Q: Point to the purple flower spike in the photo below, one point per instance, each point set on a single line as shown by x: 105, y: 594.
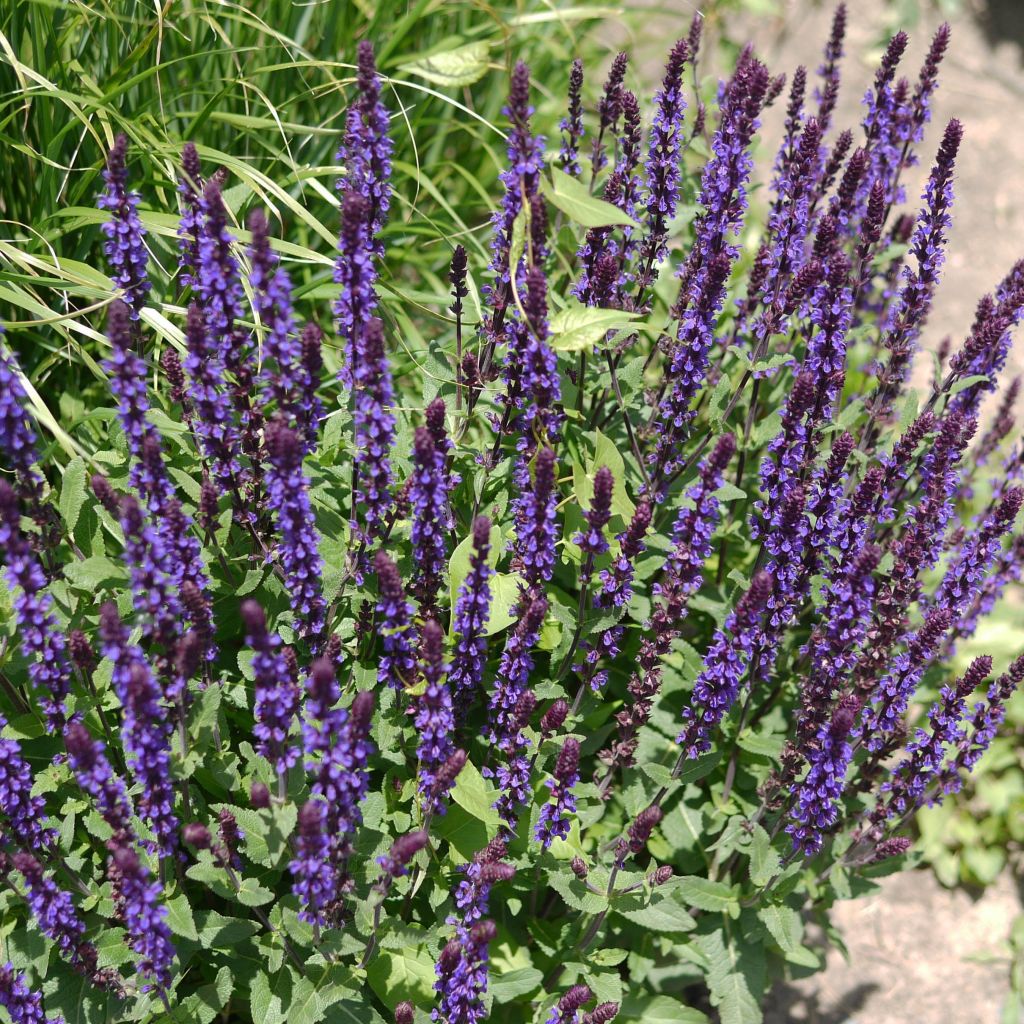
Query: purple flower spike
x: 365, y: 153
x: 214, y: 422
x: 23, y: 812
x: 374, y: 428
x: 912, y: 777
x: 395, y: 862
x: 218, y: 285
x: 617, y: 581
x: 92, y: 770
x: 145, y: 918
x: 592, y: 542
x: 277, y: 695
x: 915, y: 298
x: 522, y: 182
x: 313, y: 874
x: 572, y: 124
x: 472, y: 610
x: 190, y: 226
x: 17, y: 435
x: 56, y: 915
x: 554, y: 815
x: 663, y: 167
x: 282, y: 370
x: 817, y: 804
x: 567, y: 1009
x: 462, y: 976
x: 535, y: 513
x: 434, y: 720
x: 985, y: 719
x: 146, y: 730
x: 398, y: 667
x: 431, y: 523
x: 41, y: 640
x: 828, y: 92
x: 288, y: 497
x: 24, y: 1005
x: 718, y: 685
x: 125, y: 246
x: 609, y: 110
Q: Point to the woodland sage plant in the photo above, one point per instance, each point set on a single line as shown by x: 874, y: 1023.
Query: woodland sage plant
x: 566, y: 680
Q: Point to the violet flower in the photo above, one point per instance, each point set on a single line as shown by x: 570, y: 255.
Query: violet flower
x: 571, y: 125
x: 828, y: 91
x: 145, y: 918
x: 397, y: 667
x: 462, y: 976
x: 146, y: 729
x: 609, y: 109
x: 365, y: 152
x: 472, y: 610
x: 17, y: 435
x: 662, y: 169
x: 915, y: 297
x: 24, y: 1005
x: 433, y: 719
x: 374, y: 425
x: 214, y: 423
x: 88, y: 761
x: 817, y: 803
x: 276, y: 694
x: 554, y: 815
x: 312, y: 872
x: 591, y: 541
x: 24, y: 813
x: 297, y: 548
x: 190, y: 224
x: 910, y: 780
x: 218, y: 285
x: 56, y: 915
x: 535, y: 513
x: 566, y: 1010
x: 718, y: 684
x: 125, y: 247
x: 41, y: 639
x: 521, y: 181
x: 282, y: 371
x: 514, y: 672
x: 984, y: 721
x: 431, y: 522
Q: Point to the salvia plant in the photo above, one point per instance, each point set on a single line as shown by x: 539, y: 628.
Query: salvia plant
x: 566, y: 678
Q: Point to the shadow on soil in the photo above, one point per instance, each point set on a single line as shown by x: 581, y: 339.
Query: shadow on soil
x: 787, y: 1005
x: 1002, y: 20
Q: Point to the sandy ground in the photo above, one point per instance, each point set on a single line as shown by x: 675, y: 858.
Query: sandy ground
x: 919, y: 954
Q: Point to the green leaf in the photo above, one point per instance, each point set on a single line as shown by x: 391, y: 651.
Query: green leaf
x: 474, y: 794
x: 761, y: 744
x: 967, y: 382
x: 578, y: 328
x: 406, y: 974
x: 510, y: 986
x: 786, y: 928
x: 505, y: 589
x: 72, y: 493
x: 729, y: 492
x: 575, y: 201
x: 662, y: 1010
x: 452, y: 68
x: 764, y: 861
x: 459, y: 563
x: 662, y: 914
x: 605, y: 454
x: 94, y: 573
x: 179, y: 918
x: 707, y: 895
